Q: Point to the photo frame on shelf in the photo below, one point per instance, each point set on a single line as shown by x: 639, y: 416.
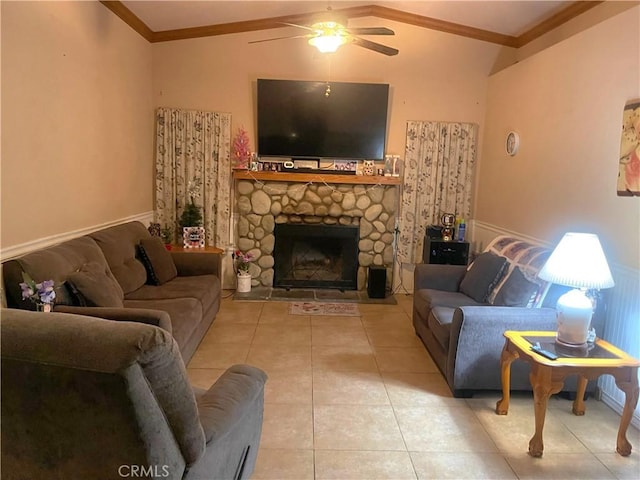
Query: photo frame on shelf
x: 345, y: 165
x: 193, y: 237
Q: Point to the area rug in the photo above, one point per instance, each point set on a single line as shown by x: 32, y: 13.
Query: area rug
x: 322, y: 308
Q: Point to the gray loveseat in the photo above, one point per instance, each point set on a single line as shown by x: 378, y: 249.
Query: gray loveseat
x: 122, y: 273
x: 84, y: 398
x: 461, y: 314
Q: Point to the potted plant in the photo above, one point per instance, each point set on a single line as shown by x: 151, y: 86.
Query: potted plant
x: 243, y: 264
x: 167, y: 236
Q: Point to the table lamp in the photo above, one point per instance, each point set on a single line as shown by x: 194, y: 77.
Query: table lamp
x: 577, y: 261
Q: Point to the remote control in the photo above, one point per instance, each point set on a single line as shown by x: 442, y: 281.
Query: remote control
x: 545, y: 353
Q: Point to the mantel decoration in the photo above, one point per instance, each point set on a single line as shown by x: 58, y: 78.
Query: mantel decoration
x: 191, y: 219
x: 629, y: 166
x: 241, y: 150
x: 41, y: 294
x: 243, y: 264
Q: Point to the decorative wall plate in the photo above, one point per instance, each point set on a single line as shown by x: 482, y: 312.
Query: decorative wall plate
x: 512, y: 143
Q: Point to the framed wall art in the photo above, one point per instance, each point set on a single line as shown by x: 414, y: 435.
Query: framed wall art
x: 629, y: 161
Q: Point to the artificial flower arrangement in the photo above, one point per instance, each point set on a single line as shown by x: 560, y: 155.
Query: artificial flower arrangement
x: 242, y: 261
x: 42, y: 294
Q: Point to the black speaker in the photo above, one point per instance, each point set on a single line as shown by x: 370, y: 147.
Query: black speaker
x: 377, y: 285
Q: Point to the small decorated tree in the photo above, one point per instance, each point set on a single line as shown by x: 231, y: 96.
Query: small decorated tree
x: 191, y: 215
x: 241, y: 150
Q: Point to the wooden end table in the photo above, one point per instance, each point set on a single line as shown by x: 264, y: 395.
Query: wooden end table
x: 547, y: 377
x: 205, y: 249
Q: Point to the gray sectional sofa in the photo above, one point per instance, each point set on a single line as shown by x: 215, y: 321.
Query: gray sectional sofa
x: 123, y: 273
x: 461, y: 313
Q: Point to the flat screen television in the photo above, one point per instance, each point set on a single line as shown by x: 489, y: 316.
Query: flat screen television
x: 334, y: 120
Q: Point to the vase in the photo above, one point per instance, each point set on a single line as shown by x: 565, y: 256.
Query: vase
x: 244, y: 282
x: 43, y: 307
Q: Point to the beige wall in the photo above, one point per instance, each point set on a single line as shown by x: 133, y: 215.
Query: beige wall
x: 566, y: 103
x: 436, y: 76
x: 77, y: 119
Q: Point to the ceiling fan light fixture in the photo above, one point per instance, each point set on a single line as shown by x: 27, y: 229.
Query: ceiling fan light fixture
x: 329, y: 36
x: 328, y: 43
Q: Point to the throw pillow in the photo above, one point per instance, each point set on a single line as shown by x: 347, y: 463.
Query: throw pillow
x: 157, y: 260
x: 483, y: 274
x: 516, y: 291
x: 94, y: 287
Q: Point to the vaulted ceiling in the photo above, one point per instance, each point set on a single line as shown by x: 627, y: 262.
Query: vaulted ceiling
x: 510, y: 23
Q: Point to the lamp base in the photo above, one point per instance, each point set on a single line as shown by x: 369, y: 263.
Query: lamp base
x: 573, y: 312
x: 577, y: 346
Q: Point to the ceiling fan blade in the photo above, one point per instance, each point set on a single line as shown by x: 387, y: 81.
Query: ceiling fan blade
x: 376, y: 47
x: 371, y: 31
x: 298, y: 26
x: 278, y: 38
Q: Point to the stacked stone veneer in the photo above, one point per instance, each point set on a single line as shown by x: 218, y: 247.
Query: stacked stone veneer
x: 261, y: 205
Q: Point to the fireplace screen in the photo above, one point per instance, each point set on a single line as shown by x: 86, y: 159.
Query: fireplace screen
x: 323, y: 256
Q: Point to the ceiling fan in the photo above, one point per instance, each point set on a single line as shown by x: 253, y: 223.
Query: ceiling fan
x: 329, y: 31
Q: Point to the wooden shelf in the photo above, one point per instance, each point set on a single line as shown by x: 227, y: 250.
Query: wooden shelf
x: 316, y: 177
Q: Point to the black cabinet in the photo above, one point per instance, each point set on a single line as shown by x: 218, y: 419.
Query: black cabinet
x: 441, y: 252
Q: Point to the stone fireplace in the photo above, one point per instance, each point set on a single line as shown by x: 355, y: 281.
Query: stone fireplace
x: 366, y: 205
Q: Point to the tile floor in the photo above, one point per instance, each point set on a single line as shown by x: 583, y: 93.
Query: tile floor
x: 359, y: 398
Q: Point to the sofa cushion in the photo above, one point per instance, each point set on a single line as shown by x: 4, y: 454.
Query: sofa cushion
x: 439, y: 322
x: 204, y: 288
x: 157, y: 261
x: 94, y: 287
x: 429, y: 298
x: 51, y: 263
x: 516, y: 291
x: 482, y: 276
x: 120, y: 247
x: 185, y: 313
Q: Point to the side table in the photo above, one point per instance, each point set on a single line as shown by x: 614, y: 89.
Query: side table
x: 205, y: 249
x: 547, y: 377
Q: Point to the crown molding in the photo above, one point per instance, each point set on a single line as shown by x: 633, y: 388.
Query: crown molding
x: 128, y: 17
x: 563, y: 16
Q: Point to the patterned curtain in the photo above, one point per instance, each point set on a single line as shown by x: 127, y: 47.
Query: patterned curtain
x: 194, y: 147
x: 438, y: 175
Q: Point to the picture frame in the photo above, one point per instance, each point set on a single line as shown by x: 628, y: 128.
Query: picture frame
x: 628, y: 184
x: 345, y: 165
x: 193, y: 237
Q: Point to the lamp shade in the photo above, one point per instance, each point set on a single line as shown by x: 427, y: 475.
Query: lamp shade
x: 578, y: 261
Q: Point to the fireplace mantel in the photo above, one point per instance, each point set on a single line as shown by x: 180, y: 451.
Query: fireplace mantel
x: 316, y: 177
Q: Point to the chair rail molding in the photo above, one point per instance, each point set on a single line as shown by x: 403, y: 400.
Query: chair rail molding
x: 17, y: 250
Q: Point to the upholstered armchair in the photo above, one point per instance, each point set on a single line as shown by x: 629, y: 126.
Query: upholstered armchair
x: 92, y: 398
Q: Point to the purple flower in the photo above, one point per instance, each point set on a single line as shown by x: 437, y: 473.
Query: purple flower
x: 37, y: 292
x: 27, y: 291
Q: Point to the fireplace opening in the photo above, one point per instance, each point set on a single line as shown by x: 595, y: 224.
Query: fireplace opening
x: 321, y: 256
